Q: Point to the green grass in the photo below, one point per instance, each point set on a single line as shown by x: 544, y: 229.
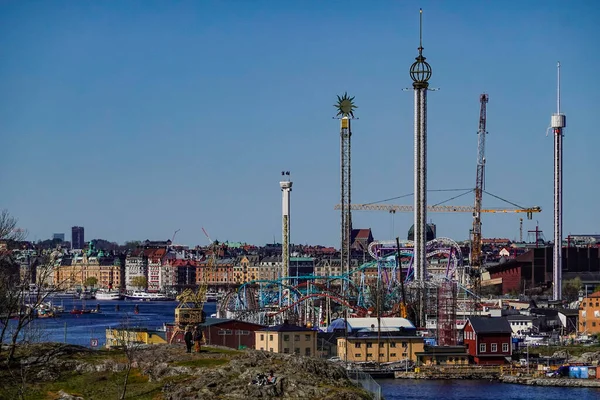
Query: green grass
x: 217, y: 350
x: 202, y: 362
x: 104, y: 385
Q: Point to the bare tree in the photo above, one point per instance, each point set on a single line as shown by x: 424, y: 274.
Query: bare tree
x: 9, y: 229
x: 130, y: 340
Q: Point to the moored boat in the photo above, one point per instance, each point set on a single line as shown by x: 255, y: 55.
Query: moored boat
x: 145, y: 296
x: 108, y: 295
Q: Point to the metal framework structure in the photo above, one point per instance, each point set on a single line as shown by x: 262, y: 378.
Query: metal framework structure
x: 479, y: 185
x: 346, y: 190
x: 392, y: 208
x: 446, y: 315
x: 558, y: 122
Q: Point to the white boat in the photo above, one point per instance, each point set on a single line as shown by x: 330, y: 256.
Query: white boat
x: 108, y: 295
x: 145, y: 296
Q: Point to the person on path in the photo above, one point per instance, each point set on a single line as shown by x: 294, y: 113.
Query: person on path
x: 189, y: 338
x: 197, y: 338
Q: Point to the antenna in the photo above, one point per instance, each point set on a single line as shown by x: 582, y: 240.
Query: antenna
x: 420, y: 28
x: 558, y: 90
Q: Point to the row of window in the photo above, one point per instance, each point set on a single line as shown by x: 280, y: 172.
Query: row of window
x: 358, y: 345
x: 370, y: 355
x: 493, y: 347
x: 286, y: 350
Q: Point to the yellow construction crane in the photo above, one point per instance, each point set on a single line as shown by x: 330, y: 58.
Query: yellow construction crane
x: 466, y: 209
x: 190, y: 310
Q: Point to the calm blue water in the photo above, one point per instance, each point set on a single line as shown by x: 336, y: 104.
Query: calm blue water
x: 80, y: 329
x: 396, y: 389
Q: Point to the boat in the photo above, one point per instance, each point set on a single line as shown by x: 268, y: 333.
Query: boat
x: 78, y: 311
x: 212, y: 296
x: 108, y: 295
x: 145, y: 296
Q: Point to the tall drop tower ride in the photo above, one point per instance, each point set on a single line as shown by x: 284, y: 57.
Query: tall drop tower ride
x: 345, y: 109
x: 420, y: 73
x: 557, y: 123
x: 286, y: 188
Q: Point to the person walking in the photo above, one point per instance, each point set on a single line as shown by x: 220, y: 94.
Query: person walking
x: 189, y: 338
x: 197, y: 338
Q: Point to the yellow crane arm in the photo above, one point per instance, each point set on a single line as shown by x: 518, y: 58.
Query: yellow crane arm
x: 467, y: 209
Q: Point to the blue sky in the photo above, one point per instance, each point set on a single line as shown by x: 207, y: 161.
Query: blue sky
x: 137, y: 118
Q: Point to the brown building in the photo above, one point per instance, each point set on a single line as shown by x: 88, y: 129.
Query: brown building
x: 287, y: 339
x: 388, y: 348
x: 443, y: 355
x: 589, y: 315
x: 222, y: 332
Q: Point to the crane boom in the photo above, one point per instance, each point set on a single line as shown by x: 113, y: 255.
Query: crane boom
x: 479, y: 184
x: 467, y: 209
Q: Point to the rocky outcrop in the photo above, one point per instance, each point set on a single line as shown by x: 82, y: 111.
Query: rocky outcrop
x: 216, y: 373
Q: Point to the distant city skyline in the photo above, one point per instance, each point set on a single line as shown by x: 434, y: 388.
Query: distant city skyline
x: 135, y: 120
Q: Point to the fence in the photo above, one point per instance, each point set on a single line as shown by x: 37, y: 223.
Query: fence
x: 366, y: 381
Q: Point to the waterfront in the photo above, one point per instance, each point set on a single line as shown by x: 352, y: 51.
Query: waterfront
x: 81, y: 329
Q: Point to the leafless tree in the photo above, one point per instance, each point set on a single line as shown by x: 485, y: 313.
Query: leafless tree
x: 9, y: 229
x: 130, y: 340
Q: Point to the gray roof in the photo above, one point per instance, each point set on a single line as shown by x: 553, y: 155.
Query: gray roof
x: 490, y: 325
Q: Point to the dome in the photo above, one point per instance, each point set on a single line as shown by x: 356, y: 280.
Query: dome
x: 430, y: 234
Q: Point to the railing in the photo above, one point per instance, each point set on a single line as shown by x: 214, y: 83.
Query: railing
x: 366, y: 381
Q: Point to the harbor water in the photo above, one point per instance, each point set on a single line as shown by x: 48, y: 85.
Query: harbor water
x: 89, y: 330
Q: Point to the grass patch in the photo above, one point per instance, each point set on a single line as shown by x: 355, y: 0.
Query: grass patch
x: 105, y: 385
x: 202, y: 362
x: 217, y: 350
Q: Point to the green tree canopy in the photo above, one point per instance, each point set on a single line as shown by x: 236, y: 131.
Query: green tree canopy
x: 139, y: 282
x: 91, y: 281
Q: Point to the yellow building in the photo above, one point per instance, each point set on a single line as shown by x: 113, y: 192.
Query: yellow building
x: 72, y: 273
x: 287, y: 339
x: 116, y: 337
x: 391, y: 348
x: 589, y: 314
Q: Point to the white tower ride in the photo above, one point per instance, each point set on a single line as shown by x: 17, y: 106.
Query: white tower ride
x: 286, y: 188
x: 557, y: 123
x: 420, y: 73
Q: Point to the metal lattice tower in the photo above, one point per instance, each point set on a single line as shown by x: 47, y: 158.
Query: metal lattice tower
x: 558, y: 122
x: 476, y: 260
x: 346, y: 192
x: 420, y: 73
x: 286, y: 188
x: 446, y: 313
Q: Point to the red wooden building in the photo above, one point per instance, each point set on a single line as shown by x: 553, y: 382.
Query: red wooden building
x: 488, y: 340
x: 223, y: 332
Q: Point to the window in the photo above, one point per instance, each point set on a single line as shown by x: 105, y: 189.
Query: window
x: 297, y: 338
x: 296, y: 350
x: 393, y: 344
x: 286, y: 350
x: 307, y: 351
x: 307, y: 338
x: 482, y: 348
x: 404, y: 344
x: 381, y: 355
x: 380, y: 345
x: 392, y: 354
x: 357, y: 355
x: 357, y: 345
x: 270, y: 337
x: 286, y: 338
x: 505, y: 347
x: 369, y: 355
x: 494, y: 347
x: 271, y: 349
x: 369, y: 345
x: 262, y: 337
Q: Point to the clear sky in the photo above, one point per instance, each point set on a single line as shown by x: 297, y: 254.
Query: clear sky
x: 138, y: 118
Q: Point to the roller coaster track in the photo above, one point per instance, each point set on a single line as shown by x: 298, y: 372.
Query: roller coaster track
x: 337, y: 299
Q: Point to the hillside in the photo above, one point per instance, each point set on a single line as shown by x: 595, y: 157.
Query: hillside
x: 56, y: 371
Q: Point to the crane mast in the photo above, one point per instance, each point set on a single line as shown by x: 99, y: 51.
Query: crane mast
x: 479, y: 185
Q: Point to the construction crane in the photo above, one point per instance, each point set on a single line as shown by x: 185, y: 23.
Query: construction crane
x: 392, y: 208
x: 476, y: 244
x: 190, y: 310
